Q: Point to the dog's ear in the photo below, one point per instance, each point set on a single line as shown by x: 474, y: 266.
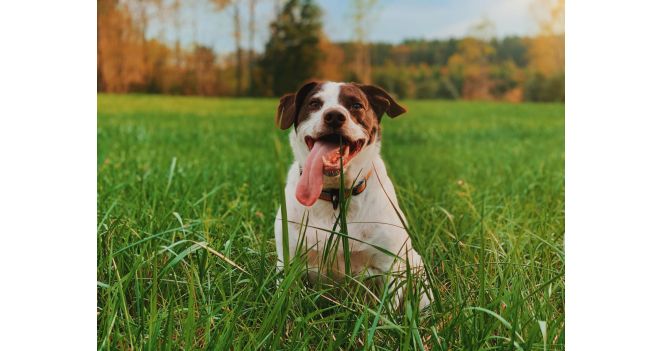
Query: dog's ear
x: 290, y: 105
x: 284, y: 118
x: 381, y: 101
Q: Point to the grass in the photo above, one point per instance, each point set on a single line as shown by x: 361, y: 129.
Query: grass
x: 187, y: 194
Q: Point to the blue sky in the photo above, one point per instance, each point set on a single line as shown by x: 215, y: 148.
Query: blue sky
x: 392, y: 21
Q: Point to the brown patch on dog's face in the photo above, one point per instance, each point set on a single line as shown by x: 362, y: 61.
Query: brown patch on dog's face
x: 360, y: 110
x: 381, y: 102
x: 366, y: 105
x: 295, y: 107
x: 309, y: 105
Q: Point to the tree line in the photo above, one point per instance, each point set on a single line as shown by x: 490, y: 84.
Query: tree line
x: 476, y: 67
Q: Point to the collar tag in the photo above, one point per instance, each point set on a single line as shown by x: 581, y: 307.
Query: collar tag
x: 335, y: 200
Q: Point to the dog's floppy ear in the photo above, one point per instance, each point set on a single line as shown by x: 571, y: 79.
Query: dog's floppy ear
x: 284, y: 118
x: 381, y: 101
x: 290, y: 105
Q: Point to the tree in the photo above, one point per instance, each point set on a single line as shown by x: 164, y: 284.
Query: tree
x: 546, y: 53
x: 469, y: 69
x: 120, y: 63
x: 547, y: 49
x: 361, y: 10
x: 251, y: 51
x: 220, y: 5
x: 330, y: 67
x: 292, y: 54
x: 239, y: 53
x: 201, y: 75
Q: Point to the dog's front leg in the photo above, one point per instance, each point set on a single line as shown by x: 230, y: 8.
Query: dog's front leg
x: 292, y: 229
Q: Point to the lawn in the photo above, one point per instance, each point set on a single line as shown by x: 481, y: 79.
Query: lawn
x: 187, y: 193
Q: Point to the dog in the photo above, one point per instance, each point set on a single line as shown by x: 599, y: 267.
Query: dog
x: 322, y: 115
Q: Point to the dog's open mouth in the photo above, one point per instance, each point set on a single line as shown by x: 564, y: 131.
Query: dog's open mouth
x: 326, y: 153
x: 335, y: 146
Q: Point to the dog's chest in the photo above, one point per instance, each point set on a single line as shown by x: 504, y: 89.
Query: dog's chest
x: 325, y: 252
x: 325, y: 219
x: 369, y: 219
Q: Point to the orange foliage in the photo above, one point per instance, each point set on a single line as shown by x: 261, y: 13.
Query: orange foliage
x: 331, y: 64
x: 513, y: 95
x: 547, y: 54
x: 471, y: 63
x: 120, y: 55
x: 546, y: 51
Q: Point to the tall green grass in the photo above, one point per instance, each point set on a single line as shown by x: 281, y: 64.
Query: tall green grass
x: 187, y: 194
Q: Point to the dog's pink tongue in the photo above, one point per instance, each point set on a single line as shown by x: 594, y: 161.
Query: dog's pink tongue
x: 309, y: 186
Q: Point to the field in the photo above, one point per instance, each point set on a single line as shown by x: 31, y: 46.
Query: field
x: 187, y: 193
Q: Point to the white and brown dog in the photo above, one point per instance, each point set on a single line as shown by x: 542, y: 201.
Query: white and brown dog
x: 322, y: 114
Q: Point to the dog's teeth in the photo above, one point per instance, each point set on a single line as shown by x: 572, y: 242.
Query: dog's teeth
x: 332, y: 173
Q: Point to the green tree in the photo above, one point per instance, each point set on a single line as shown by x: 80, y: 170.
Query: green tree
x: 292, y: 54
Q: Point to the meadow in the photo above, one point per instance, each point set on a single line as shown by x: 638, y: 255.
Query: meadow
x: 187, y: 193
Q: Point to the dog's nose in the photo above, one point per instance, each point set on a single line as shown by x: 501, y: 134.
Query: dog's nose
x: 334, y: 118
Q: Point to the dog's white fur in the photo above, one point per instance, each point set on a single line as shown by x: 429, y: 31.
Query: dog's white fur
x: 371, y: 216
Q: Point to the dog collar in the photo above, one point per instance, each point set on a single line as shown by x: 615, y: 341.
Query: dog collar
x: 333, y: 195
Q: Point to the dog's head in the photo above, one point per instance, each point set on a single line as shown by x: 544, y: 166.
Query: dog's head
x: 331, y: 120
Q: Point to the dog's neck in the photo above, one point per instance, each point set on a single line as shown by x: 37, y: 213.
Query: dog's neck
x: 354, y: 172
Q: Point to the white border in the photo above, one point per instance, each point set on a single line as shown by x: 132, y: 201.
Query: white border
x: 48, y: 182
x: 613, y: 175
x: 48, y: 175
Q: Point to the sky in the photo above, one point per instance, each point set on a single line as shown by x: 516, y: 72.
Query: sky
x: 391, y: 21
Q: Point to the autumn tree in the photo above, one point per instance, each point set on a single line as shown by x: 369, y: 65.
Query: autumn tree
x: 238, y: 51
x: 469, y: 69
x: 331, y: 65
x: 202, y: 73
x: 251, y: 50
x: 292, y: 54
x: 120, y: 61
x: 546, y: 53
x: 547, y: 49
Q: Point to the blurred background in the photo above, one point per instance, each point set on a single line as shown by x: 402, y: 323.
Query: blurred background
x: 506, y: 50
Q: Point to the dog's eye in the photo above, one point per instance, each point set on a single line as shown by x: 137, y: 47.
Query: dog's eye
x: 314, y: 104
x: 356, y: 106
